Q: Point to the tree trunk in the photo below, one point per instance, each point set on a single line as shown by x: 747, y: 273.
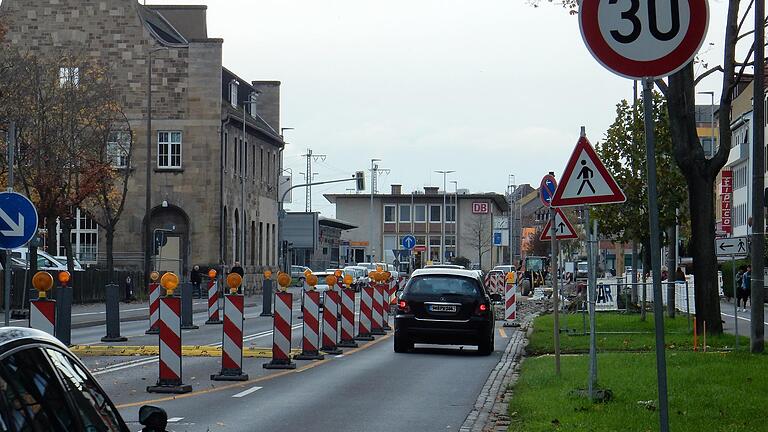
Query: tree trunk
x: 66, y: 233
x: 703, y: 250
x: 671, y: 268
x: 52, y: 243
x: 633, y: 276
x: 110, y: 234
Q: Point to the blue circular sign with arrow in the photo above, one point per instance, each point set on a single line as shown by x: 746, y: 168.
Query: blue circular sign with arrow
x: 547, y: 189
x: 409, y: 242
x: 18, y: 220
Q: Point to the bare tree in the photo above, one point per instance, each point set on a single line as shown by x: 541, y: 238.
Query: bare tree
x: 479, y: 235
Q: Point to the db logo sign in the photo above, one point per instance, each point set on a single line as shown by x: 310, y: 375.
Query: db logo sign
x: 480, y: 208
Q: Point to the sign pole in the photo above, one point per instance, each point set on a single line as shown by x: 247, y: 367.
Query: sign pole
x: 591, y: 297
x: 7, y: 264
x: 735, y: 301
x: 555, y: 294
x: 653, y: 210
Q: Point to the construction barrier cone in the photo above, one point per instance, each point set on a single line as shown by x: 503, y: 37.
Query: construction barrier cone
x: 366, y: 314
x: 42, y: 312
x: 510, y: 301
x: 213, y: 299
x: 232, y: 334
x: 385, y: 287
x: 310, y: 341
x: 377, y: 323
x: 281, y: 335
x: 154, y: 304
x: 347, y: 315
x: 169, y: 380
x: 330, y: 318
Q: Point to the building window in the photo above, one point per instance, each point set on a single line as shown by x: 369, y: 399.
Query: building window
x: 261, y: 161
x: 253, y: 163
x: 118, y: 146
x: 420, y: 213
x: 434, y: 213
x: 450, y: 213
x: 389, y: 213
x: 252, y: 105
x: 69, y: 76
x: 405, y: 213
x: 84, y: 237
x: 169, y: 149
x: 233, y: 93
x: 234, y: 163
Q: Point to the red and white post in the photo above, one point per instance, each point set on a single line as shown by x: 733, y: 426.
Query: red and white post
x: 510, y: 303
x: 331, y: 322
x: 170, y: 348
x: 365, y: 322
x: 281, y: 336
x: 386, y: 288
x: 42, y: 315
x: 232, y: 340
x: 310, y: 341
x: 154, y: 308
x: 347, y: 339
x: 213, y: 302
x: 377, y: 323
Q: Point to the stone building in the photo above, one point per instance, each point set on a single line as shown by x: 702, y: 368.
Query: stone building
x: 465, y: 227
x: 213, y: 180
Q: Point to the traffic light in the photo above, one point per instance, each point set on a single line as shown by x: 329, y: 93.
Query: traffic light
x: 360, y: 181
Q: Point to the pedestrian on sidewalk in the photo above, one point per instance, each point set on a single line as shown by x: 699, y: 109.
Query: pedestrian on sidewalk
x: 129, y: 297
x: 745, y: 289
x: 196, y: 279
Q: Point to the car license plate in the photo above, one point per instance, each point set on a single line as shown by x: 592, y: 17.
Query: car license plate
x: 442, y: 308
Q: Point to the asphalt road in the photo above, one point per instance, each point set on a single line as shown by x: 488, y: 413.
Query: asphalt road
x: 370, y: 388
x: 726, y: 311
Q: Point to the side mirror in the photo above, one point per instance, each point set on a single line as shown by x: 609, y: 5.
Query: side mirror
x: 154, y: 419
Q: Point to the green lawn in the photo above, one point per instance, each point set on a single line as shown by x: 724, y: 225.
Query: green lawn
x: 707, y: 392
x: 619, y: 332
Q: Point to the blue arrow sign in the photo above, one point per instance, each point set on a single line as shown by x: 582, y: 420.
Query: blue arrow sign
x: 547, y: 189
x: 409, y: 242
x: 18, y: 220
x: 497, y: 239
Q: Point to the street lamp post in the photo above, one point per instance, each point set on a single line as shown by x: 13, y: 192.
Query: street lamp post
x: 148, y: 193
x: 442, y: 219
x: 373, y: 187
x: 454, y: 231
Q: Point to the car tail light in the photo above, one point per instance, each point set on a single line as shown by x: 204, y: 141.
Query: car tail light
x: 402, y: 306
x: 482, y: 309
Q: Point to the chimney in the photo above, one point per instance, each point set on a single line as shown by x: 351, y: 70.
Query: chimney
x: 268, y: 106
x: 431, y: 190
x: 397, y: 189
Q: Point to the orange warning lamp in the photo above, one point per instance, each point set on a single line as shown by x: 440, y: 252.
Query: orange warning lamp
x: 42, y: 281
x: 64, y: 277
x: 169, y: 281
x: 388, y: 276
x: 348, y: 280
x: 212, y: 273
x: 312, y: 280
x: 234, y: 280
x: 154, y: 276
x: 331, y: 280
x: 338, y: 273
x: 379, y: 268
x: 307, y: 272
x: 511, y: 277
x: 267, y: 274
x: 283, y: 279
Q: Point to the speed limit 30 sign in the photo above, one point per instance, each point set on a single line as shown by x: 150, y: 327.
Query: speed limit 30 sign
x: 643, y: 38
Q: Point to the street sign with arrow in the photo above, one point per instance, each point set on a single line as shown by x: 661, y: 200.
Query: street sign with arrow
x: 563, y: 228
x: 18, y: 220
x: 732, y: 246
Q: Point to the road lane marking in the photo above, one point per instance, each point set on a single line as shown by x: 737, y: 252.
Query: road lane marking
x: 503, y: 333
x: 175, y: 419
x: 243, y: 384
x: 259, y: 335
x: 340, y: 356
x: 740, y: 317
x: 126, y: 365
x: 247, y: 392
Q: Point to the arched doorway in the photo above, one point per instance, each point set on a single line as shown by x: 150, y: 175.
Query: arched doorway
x: 170, y: 232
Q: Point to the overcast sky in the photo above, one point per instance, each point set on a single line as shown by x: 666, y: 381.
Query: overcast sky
x: 485, y: 87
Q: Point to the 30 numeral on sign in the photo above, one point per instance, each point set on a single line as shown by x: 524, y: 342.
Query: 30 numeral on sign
x: 653, y: 24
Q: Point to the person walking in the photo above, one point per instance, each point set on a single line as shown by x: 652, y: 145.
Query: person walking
x: 196, y: 279
x: 745, y: 290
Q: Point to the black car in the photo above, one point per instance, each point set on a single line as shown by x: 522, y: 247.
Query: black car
x: 447, y: 307
x: 43, y: 387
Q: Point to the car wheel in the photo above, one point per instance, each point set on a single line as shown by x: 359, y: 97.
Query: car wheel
x: 485, y: 347
x: 402, y: 345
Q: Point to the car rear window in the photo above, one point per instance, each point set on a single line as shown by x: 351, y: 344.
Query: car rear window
x: 443, y: 285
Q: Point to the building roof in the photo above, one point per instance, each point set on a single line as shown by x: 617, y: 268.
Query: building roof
x: 336, y: 223
x: 244, y: 90
x: 498, y: 199
x: 189, y: 20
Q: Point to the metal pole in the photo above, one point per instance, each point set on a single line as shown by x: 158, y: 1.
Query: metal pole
x: 757, y: 313
x: 8, y: 268
x: 735, y: 302
x: 555, y: 294
x: 442, y: 220
x: 243, y: 177
x: 148, y: 180
x: 653, y: 210
x: 592, y: 382
x: 372, y: 220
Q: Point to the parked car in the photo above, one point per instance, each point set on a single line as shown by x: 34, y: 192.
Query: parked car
x: 582, y: 268
x: 45, y: 387
x: 63, y: 259
x: 359, y: 276
x: 44, y: 260
x: 297, y: 274
x: 444, y: 306
x: 505, y: 268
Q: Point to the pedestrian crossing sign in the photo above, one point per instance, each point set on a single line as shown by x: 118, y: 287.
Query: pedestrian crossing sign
x: 586, y: 180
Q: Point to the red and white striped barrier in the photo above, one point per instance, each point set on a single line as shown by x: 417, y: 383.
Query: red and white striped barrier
x: 310, y: 341
x: 365, y: 322
x: 347, y: 339
x: 386, y: 288
x: 154, y: 308
x: 232, y: 340
x: 331, y: 322
x: 377, y: 321
x: 281, y: 335
x: 42, y: 315
x: 170, y: 348
x: 393, y: 290
x: 213, y: 303
x: 510, y: 304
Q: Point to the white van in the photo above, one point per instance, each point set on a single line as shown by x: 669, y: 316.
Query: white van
x: 44, y: 260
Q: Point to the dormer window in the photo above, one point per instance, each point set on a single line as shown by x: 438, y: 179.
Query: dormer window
x: 233, y: 92
x: 252, y: 105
